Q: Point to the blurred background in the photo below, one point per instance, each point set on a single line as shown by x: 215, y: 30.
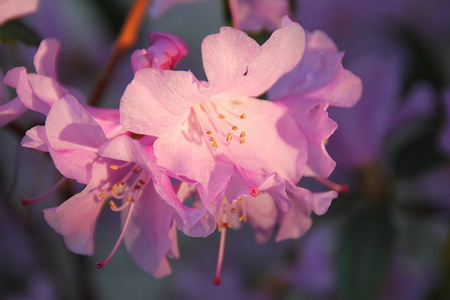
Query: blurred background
x: 387, y: 238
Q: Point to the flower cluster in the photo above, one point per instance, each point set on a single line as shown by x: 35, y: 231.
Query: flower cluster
x: 193, y: 155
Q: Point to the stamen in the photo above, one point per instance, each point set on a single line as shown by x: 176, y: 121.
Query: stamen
x: 112, y: 204
x: 241, y: 141
x: 216, y: 280
x: 137, y: 186
x: 27, y: 201
x: 229, y: 137
x: 221, y: 116
x: 226, y: 225
x: 243, y: 116
x: 233, y: 210
x: 242, y: 135
x: 332, y: 185
x: 243, y: 219
x: 209, y: 132
x: 124, y: 229
x: 137, y: 169
x: 102, y: 196
x: 130, y: 199
x: 142, y: 182
x: 234, y: 128
x: 114, y: 167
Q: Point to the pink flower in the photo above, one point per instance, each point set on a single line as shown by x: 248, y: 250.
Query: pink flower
x: 216, y: 134
x: 10, y: 9
x: 123, y: 169
x: 159, y: 7
x: 164, y: 52
x: 256, y: 15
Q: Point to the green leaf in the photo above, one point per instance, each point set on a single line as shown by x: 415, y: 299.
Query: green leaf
x: 363, y: 254
x: 16, y: 31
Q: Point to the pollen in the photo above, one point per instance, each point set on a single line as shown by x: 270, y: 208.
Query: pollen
x: 229, y: 137
x: 113, y: 167
x: 221, y: 116
x: 243, y: 116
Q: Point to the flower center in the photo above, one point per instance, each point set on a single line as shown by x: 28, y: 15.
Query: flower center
x: 221, y: 127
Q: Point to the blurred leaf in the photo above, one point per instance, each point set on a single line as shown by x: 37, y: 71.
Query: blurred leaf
x: 14, y: 31
x: 363, y: 255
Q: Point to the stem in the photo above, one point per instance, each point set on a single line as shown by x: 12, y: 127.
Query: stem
x: 126, y: 39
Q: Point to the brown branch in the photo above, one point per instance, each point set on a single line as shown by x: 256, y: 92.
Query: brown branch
x: 125, y: 41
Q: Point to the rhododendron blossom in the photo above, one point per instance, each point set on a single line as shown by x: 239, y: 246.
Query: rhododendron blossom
x: 10, y: 9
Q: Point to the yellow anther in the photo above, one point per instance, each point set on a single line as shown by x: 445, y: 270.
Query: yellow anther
x: 242, y: 141
x: 229, y: 137
x: 214, y: 143
x: 239, y: 201
x: 103, y: 196
x: 221, y: 116
x: 114, y: 189
x: 112, y: 204
x: 234, y: 128
x: 243, y: 219
x: 233, y: 210
x: 227, y: 225
x: 209, y: 132
x: 243, y: 134
x: 130, y: 199
x: 243, y: 116
x: 113, y: 167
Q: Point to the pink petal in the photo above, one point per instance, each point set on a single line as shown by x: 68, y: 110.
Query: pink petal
x: 75, y: 220
x: 108, y: 119
x: 70, y: 127
x: 45, y: 58
x: 312, y: 119
x: 10, y: 9
x: 236, y: 66
x: 147, y: 236
x: 156, y: 102
x: 262, y: 215
x: 11, y: 111
x: 36, y: 138
x: 298, y: 220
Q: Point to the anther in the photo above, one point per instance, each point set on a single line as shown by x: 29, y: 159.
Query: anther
x: 242, y: 219
x: 239, y: 201
x: 112, y: 204
x: 233, y: 210
x: 229, y: 137
x: 243, y: 116
x: 130, y: 199
x: 227, y: 225
x: 221, y: 116
x: 114, y: 189
x: 234, y: 128
x: 137, y: 186
x: 142, y: 182
x: 135, y: 170
x: 241, y: 141
x: 242, y: 135
x: 214, y: 143
x: 113, y: 167
x: 102, y: 196
x: 209, y: 132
